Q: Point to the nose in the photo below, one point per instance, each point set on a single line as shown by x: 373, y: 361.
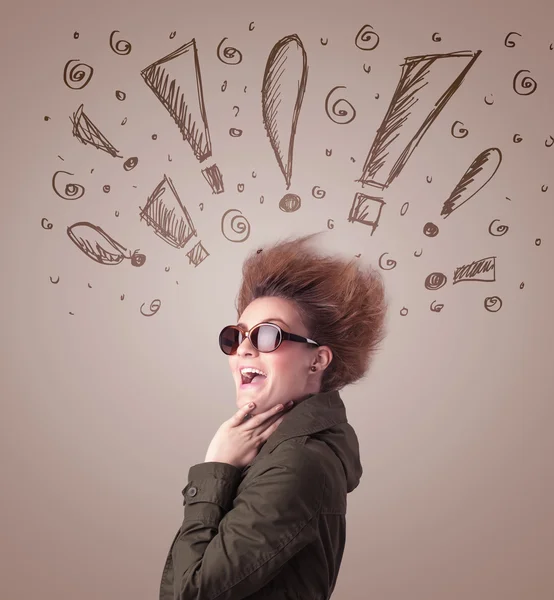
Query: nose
x: 246, y: 346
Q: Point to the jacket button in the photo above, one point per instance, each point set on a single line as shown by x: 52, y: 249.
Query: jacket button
x: 192, y: 491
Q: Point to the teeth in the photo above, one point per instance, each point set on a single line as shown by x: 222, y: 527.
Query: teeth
x: 252, y: 370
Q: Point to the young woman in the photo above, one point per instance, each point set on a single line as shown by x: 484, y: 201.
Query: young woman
x: 265, y: 514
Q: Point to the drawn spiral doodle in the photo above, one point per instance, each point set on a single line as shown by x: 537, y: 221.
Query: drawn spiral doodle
x: 436, y: 307
x: 367, y: 39
x: 76, y: 35
x: 130, y: 163
x: 524, y: 86
x: 290, y: 203
x: 493, y: 303
x: 500, y: 230
x: 78, y: 76
x: 403, y: 311
x: 240, y: 187
x: 121, y: 47
x: 72, y: 191
x: 339, y: 116
x: 430, y: 229
x: 462, y: 132
x: 154, y: 307
x: 508, y: 42
x: 106, y: 189
x: 436, y: 37
x: 228, y: 55
x: 330, y: 224
x: 242, y: 229
x: 120, y: 95
x: 538, y: 242
x: 390, y: 264
x: 435, y: 281
x: 48, y: 224
x: 317, y: 192
x: 517, y: 138
x: 234, y: 132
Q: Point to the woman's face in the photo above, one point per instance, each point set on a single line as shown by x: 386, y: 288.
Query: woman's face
x: 288, y: 368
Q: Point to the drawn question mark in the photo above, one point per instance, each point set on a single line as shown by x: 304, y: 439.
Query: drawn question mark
x: 238, y: 109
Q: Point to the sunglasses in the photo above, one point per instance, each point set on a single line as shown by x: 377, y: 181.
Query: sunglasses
x: 265, y: 337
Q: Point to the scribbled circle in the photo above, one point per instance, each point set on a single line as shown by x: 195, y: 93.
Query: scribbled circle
x: 435, y: 281
x: 538, y: 242
x: 436, y: 307
x: 290, y: 203
x: 234, y: 132
x: 390, y: 264
x: 120, y: 95
x: 517, y: 138
x: 436, y: 37
x: 71, y: 191
x: 508, y: 42
x: 230, y: 55
x: 317, y: 192
x: 340, y: 116
x: 404, y: 208
x: 493, y: 303
x: 130, y: 163
x: 430, y: 229
x: 242, y: 228
x: 137, y: 259
x: 78, y: 76
x: 420, y: 253
x: 459, y: 133
x: 48, y: 224
x: 525, y: 85
x: 500, y: 230
x: 367, y: 39
x: 106, y: 189
x: 154, y: 307
x: 330, y: 224
x: 121, y: 47
x: 154, y: 136
x: 403, y: 311
x: 224, y: 86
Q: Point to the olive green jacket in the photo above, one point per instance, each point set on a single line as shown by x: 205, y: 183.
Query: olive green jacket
x: 277, y: 528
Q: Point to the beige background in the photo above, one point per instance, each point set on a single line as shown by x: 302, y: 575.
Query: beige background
x: 105, y: 410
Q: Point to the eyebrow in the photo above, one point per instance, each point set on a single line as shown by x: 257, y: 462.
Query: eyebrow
x: 265, y: 321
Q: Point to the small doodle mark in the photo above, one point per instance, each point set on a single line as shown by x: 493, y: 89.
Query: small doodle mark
x: 169, y: 158
x: 367, y: 69
x: 48, y: 225
x: 290, y: 203
x: 524, y: 86
x: 358, y: 255
x: 377, y: 96
x: 340, y: 116
x: 130, y: 163
x: 72, y: 191
x: 242, y: 228
x: 124, y: 121
x: 434, y: 281
x: 436, y: 37
x: 237, y: 110
x: 429, y: 178
x: 430, y: 229
x: 234, y: 132
x: 240, y: 187
x: 508, y: 42
x: 261, y: 199
x: 167, y: 269
x: 106, y: 189
x: 201, y: 205
x: 328, y: 151
x: 122, y: 296
x: 117, y: 213
x: 57, y: 280
x: 251, y: 26
x: 317, y: 192
x: 254, y: 175
x: 71, y: 313
x: 352, y: 159
x: 79, y: 76
x: 493, y: 303
x: 517, y: 138
x: 172, y: 35
x: 548, y: 145
x: 366, y: 39
x: 154, y: 136
x: 420, y: 253
x: 245, y: 88
x: 330, y: 224
x: 324, y: 43
x: 120, y: 95
x: 461, y: 133
x: 90, y: 286
x: 224, y: 86
x: 230, y: 55
x: 483, y: 269
x: 500, y: 230
x: 47, y: 118
x: 538, y: 242
x: 403, y: 311
x: 404, y: 208
x: 487, y: 102
x: 390, y: 264
x: 154, y: 307
x: 521, y: 285
x: 76, y: 35
x: 436, y: 307
x: 121, y: 47
x: 544, y: 188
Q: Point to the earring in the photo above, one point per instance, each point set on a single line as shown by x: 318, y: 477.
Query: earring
x: 313, y: 368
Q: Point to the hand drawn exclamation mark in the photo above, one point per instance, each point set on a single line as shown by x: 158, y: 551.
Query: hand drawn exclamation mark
x: 426, y: 85
x: 176, y: 81
x: 284, y: 84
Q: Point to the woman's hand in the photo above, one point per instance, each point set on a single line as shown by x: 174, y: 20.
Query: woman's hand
x: 238, y: 441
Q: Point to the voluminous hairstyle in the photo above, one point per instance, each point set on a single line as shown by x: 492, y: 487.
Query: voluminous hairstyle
x: 341, y: 305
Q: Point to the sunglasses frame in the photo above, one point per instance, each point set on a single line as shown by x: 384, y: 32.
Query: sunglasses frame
x: 285, y: 336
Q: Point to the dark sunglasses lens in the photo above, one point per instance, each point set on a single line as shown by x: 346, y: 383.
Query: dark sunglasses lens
x: 229, y: 340
x: 266, y: 338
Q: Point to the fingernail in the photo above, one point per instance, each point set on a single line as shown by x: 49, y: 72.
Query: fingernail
x: 290, y: 402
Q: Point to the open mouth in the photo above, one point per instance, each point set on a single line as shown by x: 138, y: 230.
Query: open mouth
x: 251, y: 380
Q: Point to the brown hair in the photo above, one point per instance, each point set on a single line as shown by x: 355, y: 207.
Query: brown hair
x: 341, y: 305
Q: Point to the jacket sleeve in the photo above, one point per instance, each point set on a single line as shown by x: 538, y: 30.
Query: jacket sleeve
x: 230, y: 546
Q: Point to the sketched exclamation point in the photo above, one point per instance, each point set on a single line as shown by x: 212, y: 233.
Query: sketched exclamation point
x: 284, y: 84
x: 176, y: 81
